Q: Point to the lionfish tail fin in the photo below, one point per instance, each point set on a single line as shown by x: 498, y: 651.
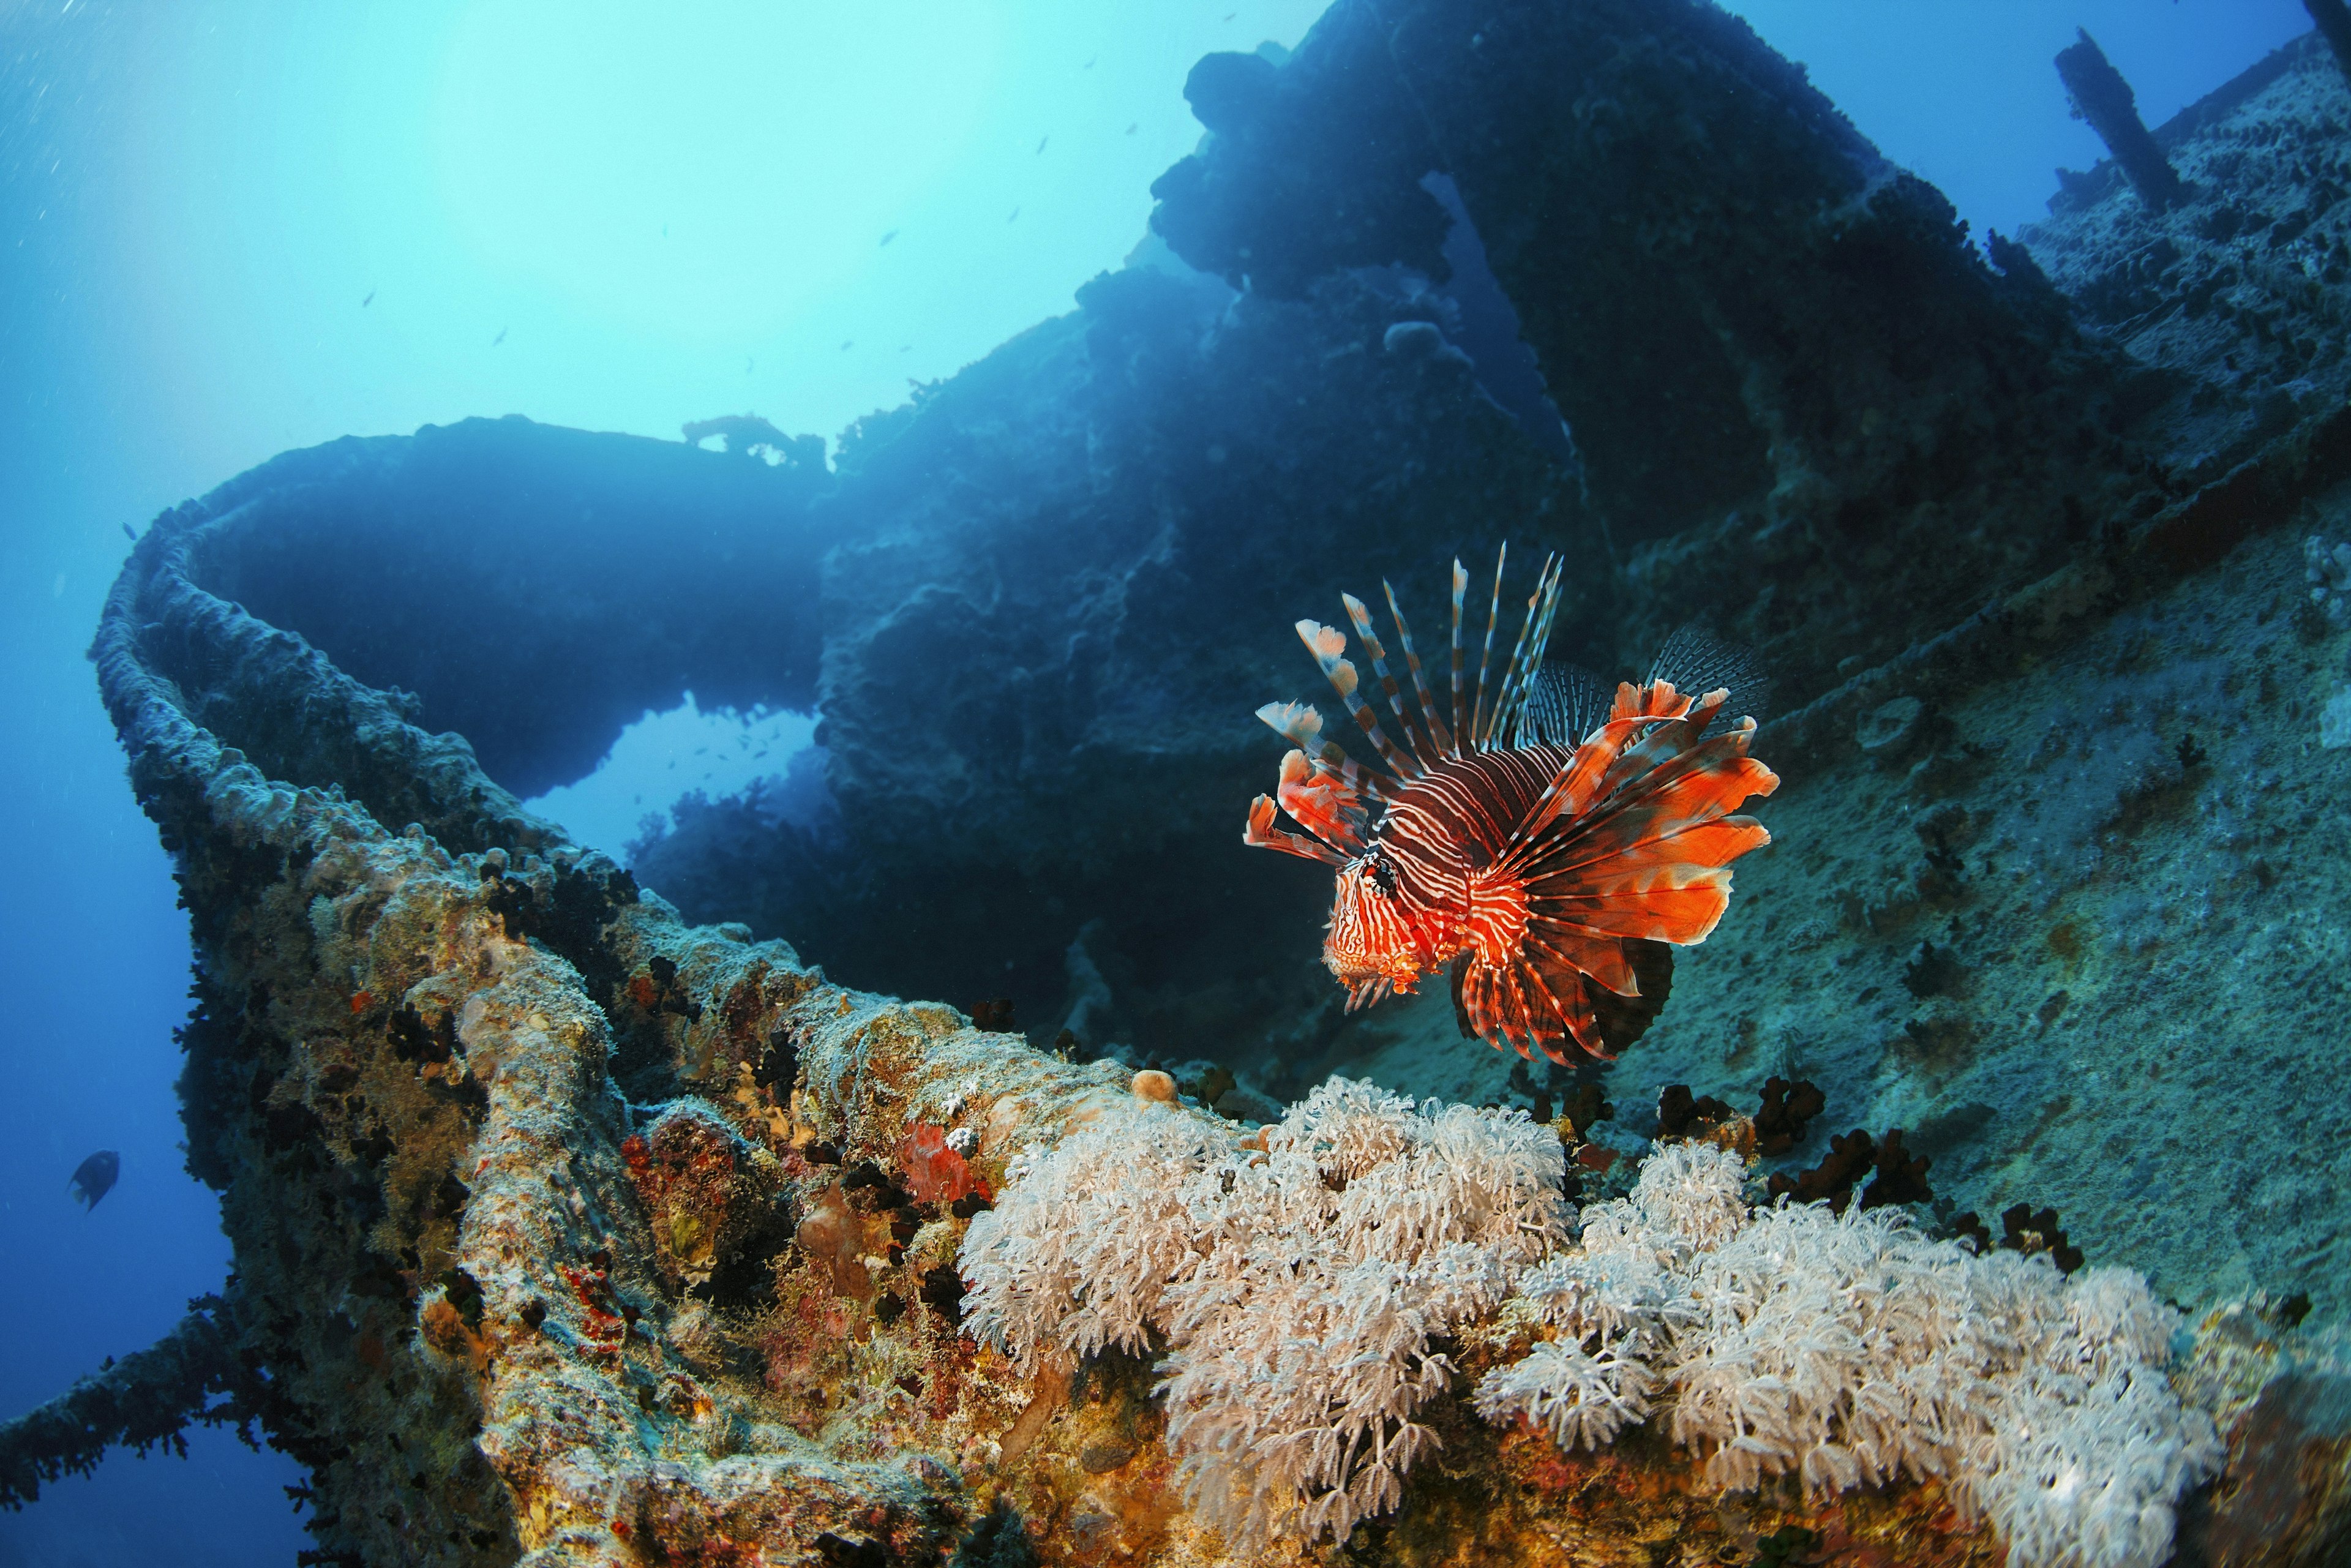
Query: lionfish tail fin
x: 1441, y: 734
x: 1328, y: 644
x: 1694, y: 659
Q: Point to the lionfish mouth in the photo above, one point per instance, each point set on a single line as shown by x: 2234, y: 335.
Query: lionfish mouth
x: 1551, y: 837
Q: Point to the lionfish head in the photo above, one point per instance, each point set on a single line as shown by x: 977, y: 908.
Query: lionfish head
x: 1371, y: 946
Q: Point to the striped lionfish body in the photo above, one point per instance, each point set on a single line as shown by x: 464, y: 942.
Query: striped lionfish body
x: 1547, y: 846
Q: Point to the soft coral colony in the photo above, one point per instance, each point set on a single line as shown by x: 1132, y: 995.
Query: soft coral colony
x: 1311, y: 1282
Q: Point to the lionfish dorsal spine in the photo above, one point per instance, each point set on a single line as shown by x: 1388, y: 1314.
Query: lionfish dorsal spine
x: 1500, y: 724
x: 1460, y: 712
x: 1440, y: 736
x: 1361, y: 615
x: 1493, y: 618
x: 1541, y: 644
x: 1328, y: 644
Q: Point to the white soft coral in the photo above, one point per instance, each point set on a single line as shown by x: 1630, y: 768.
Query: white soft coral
x: 1037, y: 1283
x: 1298, y: 1287
x: 1849, y: 1349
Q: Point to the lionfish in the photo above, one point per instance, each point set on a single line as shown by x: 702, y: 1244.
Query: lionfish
x: 1546, y: 845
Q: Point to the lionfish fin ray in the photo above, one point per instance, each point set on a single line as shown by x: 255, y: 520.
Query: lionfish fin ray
x: 1318, y: 798
x: 1476, y: 741
x: 1565, y: 702
x: 1361, y: 615
x: 1440, y: 734
x: 1328, y: 644
x: 1460, y: 707
x: 1301, y: 726
x: 1261, y: 834
x: 1525, y: 653
x: 1694, y: 659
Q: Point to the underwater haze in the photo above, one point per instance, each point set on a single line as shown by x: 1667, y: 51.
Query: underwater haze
x: 235, y: 230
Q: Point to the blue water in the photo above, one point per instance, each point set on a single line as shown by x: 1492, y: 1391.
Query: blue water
x: 231, y: 229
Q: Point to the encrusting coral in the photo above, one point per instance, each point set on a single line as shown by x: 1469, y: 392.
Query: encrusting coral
x: 1303, y: 1282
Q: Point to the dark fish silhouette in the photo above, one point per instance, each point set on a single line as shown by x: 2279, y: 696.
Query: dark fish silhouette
x: 369, y: 301
x: 499, y: 338
x: 1042, y: 140
x: 888, y: 238
x: 94, y: 1177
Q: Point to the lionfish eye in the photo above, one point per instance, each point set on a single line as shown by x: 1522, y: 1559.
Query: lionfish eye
x: 1383, y: 874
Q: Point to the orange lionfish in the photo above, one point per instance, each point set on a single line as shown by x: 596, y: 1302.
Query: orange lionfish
x: 1547, y: 844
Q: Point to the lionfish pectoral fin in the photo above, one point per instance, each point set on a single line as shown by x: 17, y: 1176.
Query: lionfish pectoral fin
x: 1550, y: 1001
x: 1261, y: 834
x: 1513, y: 1008
x: 1319, y: 800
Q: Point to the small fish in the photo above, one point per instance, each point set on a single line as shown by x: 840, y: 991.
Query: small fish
x: 1545, y: 847
x: 1042, y: 140
x: 1130, y: 130
x: 499, y: 338
x: 130, y: 533
x: 94, y: 1177
x: 1016, y: 213
x: 847, y: 344
x: 1090, y: 62
x: 369, y: 301
x: 888, y: 238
